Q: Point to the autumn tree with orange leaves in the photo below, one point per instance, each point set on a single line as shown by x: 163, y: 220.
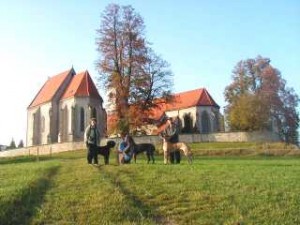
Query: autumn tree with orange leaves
x: 129, y: 70
x: 258, y: 99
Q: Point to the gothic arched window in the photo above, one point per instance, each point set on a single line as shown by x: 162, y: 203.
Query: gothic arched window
x: 82, y: 119
x: 205, y: 122
x: 43, y: 124
x: 188, y: 123
x: 94, y: 113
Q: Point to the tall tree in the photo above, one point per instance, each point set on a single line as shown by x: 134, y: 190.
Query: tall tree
x: 12, y: 144
x: 21, y: 144
x: 154, y: 81
x: 258, y: 98
x: 121, y: 43
x: 127, y: 66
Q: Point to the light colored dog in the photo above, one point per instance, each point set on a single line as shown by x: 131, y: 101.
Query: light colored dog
x: 169, y: 147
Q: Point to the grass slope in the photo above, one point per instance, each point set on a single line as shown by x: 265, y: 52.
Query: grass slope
x: 63, y: 189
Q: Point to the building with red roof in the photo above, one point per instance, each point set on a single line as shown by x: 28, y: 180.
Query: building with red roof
x: 195, y: 111
x: 62, y: 109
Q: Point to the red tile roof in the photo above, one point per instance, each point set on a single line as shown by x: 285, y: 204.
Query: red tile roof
x: 82, y: 85
x: 49, y: 89
x: 198, y: 97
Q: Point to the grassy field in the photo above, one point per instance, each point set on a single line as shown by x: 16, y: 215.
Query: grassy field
x: 63, y: 189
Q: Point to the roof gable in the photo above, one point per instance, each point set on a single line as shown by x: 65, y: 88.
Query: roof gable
x: 50, y: 88
x: 82, y: 85
x: 198, y: 97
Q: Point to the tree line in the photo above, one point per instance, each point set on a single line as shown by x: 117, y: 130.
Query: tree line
x: 138, y: 79
x: 13, y: 145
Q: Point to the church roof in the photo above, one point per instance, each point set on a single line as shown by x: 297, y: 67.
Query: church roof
x: 198, y: 97
x: 82, y: 85
x: 50, y: 88
x: 183, y: 100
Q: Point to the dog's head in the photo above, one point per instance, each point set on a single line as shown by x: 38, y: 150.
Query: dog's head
x: 111, y: 144
x: 105, y: 150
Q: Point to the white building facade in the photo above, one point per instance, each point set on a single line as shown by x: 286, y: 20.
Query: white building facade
x: 62, y: 109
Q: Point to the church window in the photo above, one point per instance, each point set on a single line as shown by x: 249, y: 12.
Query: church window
x: 93, y: 112
x: 205, y: 122
x: 188, y: 123
x: 43, y: 124
x: 81, y: 119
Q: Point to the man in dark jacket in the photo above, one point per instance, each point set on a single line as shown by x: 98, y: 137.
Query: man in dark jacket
x: 92, y: 139
x: 172, y: 131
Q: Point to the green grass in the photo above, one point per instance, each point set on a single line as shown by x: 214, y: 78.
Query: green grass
x: 240, y: 149
x: 63, y: 189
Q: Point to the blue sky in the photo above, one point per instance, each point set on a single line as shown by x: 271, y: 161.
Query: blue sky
x: 202, y: 40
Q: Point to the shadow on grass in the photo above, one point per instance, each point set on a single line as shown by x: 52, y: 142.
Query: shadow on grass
x: 28, y: 159
x: 145, y: 211
x: 32, y: 158
x: 22, y: 159
x: 22, y: 208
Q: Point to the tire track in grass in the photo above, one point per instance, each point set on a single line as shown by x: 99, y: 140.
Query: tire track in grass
x: 144, y: 211
x: 23, y: 208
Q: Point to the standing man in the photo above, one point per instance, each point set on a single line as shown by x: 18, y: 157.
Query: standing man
x: 171, y: 131
x: 92, y: 139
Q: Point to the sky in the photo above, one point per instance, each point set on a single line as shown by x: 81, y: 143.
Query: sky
x: 202, y: 41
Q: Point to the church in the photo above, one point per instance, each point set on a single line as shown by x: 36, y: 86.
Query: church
x: 195, y: 111
x: 62, y: 109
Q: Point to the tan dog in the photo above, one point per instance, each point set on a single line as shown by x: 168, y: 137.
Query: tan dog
x: 169, y: 147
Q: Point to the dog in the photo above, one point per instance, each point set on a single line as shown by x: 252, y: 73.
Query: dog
x: 148, y: 148
x: 105, y: 150
x: 169, y: 147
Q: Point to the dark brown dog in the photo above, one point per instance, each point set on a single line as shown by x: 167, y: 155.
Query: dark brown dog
x: 105, y: 150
